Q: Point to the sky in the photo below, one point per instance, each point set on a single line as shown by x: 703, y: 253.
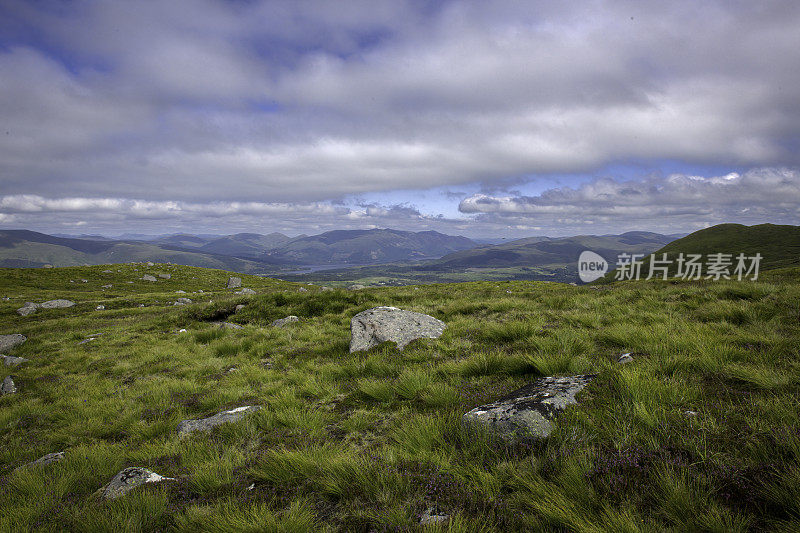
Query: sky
x: 484, y: 119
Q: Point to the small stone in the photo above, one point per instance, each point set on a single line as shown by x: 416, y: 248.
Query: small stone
x: 106, y: 286
x: 9, y: 360
x: 100, y: 307
x: 239, y: 308
x: 150, y: 263
x: 46, y: 459
x: 281, y: 322
x: 355, y: 287
x: 129, y: 479
x: 182, y: 330
x: 245, y: 291
x: 180, y: 292
x: 234, y: 283
x: 252, y: 486
x: 690, y: 414
x: 141, y: 305
x: 8, y: 386
x: 148, y: 277
x: 302, y: 289
x: 8, y: 342
x: 84, y: 281
x: 625, y: 358
x: 326, y: 289
x: 205, y: 424
x: 108, y: 272
x: 428, y: 517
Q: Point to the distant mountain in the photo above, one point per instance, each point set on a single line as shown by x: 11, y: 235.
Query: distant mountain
x: 779, y: 245
x: 549, y: 252
x: 246, y: 244
x: 368, y: 246
x: 22, y: 248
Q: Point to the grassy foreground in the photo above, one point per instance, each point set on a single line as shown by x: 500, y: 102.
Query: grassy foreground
x: 370, y: 441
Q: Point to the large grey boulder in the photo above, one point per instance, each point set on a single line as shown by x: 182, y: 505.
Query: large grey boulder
x: 529, y: 411
x: 56, y: 304
x: 11, y: 341
x: 205, y: 424
x: 8, y: 386
x: 234, y: 283
x: 285, y: 321
x: 128, y: 479
x: 380, y: 324
x: 148, y: 277
x: 9, y: 360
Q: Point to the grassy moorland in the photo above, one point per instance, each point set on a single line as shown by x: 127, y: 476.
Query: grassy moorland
x: 370, y: 441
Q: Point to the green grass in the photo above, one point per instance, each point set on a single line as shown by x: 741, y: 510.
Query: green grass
x: 370, y: 440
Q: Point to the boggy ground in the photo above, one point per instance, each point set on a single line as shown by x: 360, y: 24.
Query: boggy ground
x: 371, y: 441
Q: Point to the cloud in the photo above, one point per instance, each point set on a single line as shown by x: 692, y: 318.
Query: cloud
x: 676, y: 201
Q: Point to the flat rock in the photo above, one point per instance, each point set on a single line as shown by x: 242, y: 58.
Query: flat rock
x: 128, y: 479
x: 9, y: 360
x: 380, y: 324
x: 285, y: 321
x: 11, y: 341
x: 165, y: 276
x: 238, y: 308
x: 625, y: 358
x: 245, y: 291
x: 148, y: 277
x: 8, y: 386
x: 184, y: 301
x: 56, y: 304
x: 108, y: 271
x: 430, y: 517
x: 205, y: 424
x: 355, y: 287
x: 234, y: 283
x: 531, y: 409
x: 100, y: 307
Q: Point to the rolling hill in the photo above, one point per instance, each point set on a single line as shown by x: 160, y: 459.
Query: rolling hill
x: 368, y: 246
x: 23, y: 248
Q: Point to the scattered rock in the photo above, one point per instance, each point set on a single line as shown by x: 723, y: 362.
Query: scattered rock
x: 180, y: 292
x: 205, y: 424
x: 183, y: 301
x: 245, y: 291
x: 165, y: 276
x: 45, y: 460
x: 106, y: 286
x: 238, y: 308
x: 148, y: 277
x: 182, y: 330
x: 302, y: 289
x: 150, y: 263
x: 234, y: 283
x: 26, y: 310
x: 108, y: 272
x: 625, y: 358
x: 141, y: 305
x: 48, y: 265
x: 380, y: 324
x: 285, y: 321
x: 355, y: 287
x: 56, y: 304
x: 690, y: 414
x: 84, y: 281
x: 324, y: 288
x: 530, y: 409
x: 9, y: 360
x: 200, y: 291
x: 129, y: 479
x: 11, y: 341
x: 100, y: 307
x: 8, y: 386
x: 428, y: 517
x: 229, y: 325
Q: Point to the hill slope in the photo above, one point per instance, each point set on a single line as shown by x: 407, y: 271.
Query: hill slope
x: 368, y: 246
x: 698, y: 433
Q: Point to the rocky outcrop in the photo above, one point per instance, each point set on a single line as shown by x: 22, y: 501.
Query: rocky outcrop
x: 206, y: 424
x: 148, y: 277
x: 380, y: 324
x: 9, y: 360
x: 127, y: 480
x: 8, y: 386
x: 45, y: 460
x: 234, y: 283
x: 31, y: 307
x: 529, y: 411
x: 8, y: 342
x: 165, y: 276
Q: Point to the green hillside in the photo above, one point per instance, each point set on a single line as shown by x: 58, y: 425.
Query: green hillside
x: 698, y: 433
